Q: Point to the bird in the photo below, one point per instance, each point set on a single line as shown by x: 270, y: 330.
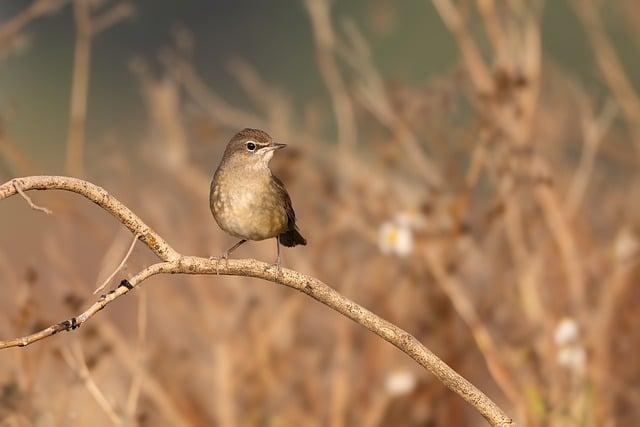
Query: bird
x: 247, y: 200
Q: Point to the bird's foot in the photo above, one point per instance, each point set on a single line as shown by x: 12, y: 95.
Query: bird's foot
x: 278, y: 268
x: 218, y: 259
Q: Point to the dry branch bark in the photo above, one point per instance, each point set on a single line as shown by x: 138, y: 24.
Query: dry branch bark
x: 176, y: 263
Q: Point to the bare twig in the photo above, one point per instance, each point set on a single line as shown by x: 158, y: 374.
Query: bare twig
x: 593, y: 129
x: 136, y: 385
x: 78, y: 365
x: 79, y: 88
x: 209, y: 100
x: 610, y: 65
x: 475, y: 64
x: 87, y: 27
x: 176, y: 263
x: 319, y: 12
x: 16, y: 185
x: 112, y: 17
x: 370, y: 91
x: 481, y: 335
x: 20, y: 163
x: 119, y: 267
x: 35, y: 10
x: 224, y: 360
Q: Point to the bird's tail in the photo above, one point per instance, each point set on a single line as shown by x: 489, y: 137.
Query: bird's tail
x: 292, y: 238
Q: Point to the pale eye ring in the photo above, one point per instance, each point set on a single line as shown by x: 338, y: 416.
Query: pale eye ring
x: 251, y: 146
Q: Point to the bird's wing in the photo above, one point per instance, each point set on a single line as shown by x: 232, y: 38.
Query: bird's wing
x: 291, y: 215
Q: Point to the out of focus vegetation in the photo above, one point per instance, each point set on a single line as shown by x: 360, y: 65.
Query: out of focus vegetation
x: 490, y: 208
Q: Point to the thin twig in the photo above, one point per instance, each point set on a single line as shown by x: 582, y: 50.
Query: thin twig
x: 610, y: 65
x: 79, y: 366
x: 594, y: 130
x: 484, y: 340
x: 119, y: 267
x: 319, y: 13
x: 136, y: 385
x: 16, y: 185
x: 206, y: 98
x: 79, y: 88
x: 35, y: 10
x: 475, y: 64
x: 87, y: 27
x: 176, y: 263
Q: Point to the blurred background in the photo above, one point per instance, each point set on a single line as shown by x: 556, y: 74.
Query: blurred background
x: 467, y: 169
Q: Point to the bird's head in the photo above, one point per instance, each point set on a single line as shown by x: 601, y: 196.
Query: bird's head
x: 250, y: 148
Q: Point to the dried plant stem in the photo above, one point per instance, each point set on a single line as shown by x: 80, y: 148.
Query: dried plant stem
x: 610, y: 65
x: 495, y: 33
x: 136, y: 385
x: 319, y: 12
x: 87, y: 26
x: 176, y: 263
x: 119, y: 267
x: 340, y: 384
x: 476, y: 66
x: 35, y: 10
x: 484, y: 341
x: 79, y: 88
x: 18, y: 161
x: 223, y: 384
x: 558, y: 226
x: 210, y: 101
x: 78, y: 364
x: 594, y: 130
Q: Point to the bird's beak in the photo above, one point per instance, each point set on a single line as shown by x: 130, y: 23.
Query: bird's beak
x: 274, y: 146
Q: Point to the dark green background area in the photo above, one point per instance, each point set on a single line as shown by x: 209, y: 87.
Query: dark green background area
x: 409, y: 42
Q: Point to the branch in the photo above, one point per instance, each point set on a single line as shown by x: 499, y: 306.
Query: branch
x: 176, y: 263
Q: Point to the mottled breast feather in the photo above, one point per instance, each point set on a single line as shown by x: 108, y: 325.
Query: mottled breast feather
x: 251, y: 207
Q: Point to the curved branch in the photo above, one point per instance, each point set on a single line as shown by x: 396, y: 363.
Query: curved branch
x: 175, y: 263
x: 99, y: 196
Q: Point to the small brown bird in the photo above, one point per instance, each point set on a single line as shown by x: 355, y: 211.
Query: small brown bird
x: 247, y: 200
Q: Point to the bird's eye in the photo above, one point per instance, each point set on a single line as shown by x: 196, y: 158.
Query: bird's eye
x: 251, y: 146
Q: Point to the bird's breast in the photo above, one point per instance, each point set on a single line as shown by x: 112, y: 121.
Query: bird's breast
x: 247, y: 208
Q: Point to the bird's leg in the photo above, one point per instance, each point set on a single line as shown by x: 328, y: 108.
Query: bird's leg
x: 233, y: 248
x: 225, y: 256
x: 278, y: 256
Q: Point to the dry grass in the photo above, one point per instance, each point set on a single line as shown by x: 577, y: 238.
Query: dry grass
x: 519, y: 187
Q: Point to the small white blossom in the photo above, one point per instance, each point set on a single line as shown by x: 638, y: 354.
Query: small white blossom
x: 573, y: 358
x: 399, y: 383
x: 566, y: 332
x: 395, y: 238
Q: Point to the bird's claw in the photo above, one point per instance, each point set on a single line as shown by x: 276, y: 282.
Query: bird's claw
x: 217, y: 259
x: 278, y: 268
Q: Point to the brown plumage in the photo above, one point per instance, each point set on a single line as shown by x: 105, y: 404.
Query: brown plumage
x: 246, y: 199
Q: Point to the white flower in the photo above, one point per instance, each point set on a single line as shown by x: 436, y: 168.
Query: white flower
x: 566, y: 332
x: 399, y: 383
x: 395, y: 238
x: 573, y: 358
x: 571, y: 355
